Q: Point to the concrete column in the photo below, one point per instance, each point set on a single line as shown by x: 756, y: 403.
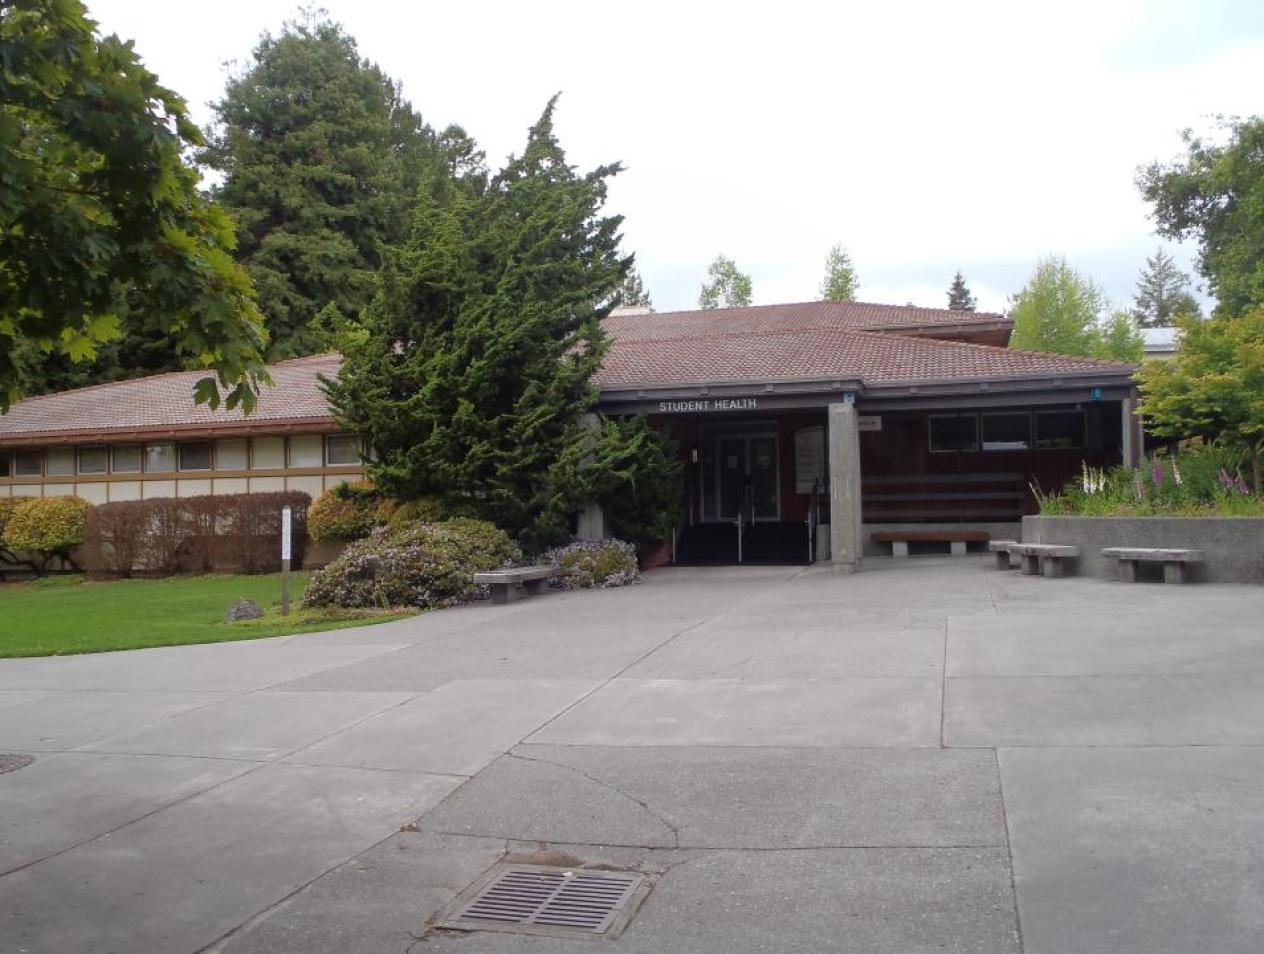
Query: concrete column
x: 591, y: 521
x: 846, y: 537
x: 1133, y: 440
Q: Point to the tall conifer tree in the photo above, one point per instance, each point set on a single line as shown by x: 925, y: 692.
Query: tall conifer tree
x: 320, y: 156
x: 476, y: 370
x: 959, y: 296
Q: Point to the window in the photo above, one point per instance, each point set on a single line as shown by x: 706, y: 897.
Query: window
x: 160, y: 458
x: 307, y: 451
x: 195, y: 456
x: 956, y: 432
x: 6, y: 464
x: 1059, y: 430
x: 61, y: 461
x: 231, y: 455
x: 1007, y: 431
x: 125, y: 459
x: 93, y: 460
x: 342, y: 449
x: 267, y: 453
x: 27, y: 464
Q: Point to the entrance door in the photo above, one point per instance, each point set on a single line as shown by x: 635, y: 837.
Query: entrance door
x: 731, y: 479
x: 744, y: 463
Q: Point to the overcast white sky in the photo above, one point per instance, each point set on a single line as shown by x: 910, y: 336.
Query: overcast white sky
x: 925, y: 137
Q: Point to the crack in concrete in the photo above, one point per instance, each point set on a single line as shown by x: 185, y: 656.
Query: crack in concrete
x: 645, y: 806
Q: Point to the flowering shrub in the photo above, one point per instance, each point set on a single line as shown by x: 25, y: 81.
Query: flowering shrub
x: 589, y: 563
x: 347, y: 512
x: 1201, y: 481
x: 423, y: 565
x: 48, y: 526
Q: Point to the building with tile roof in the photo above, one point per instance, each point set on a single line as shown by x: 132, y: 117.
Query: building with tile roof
x: 931, y: 416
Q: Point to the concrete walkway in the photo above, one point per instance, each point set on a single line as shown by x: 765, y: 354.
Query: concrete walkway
x: 926, y: 756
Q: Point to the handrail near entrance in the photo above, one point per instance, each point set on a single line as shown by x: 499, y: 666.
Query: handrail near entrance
x: 813, y: 519
x: 745, y: 516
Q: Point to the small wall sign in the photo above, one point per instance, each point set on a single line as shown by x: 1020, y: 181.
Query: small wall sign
x: 869, y: 422
x: 708, y: 405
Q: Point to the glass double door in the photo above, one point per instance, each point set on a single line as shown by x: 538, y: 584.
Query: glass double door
x: 746, y: 468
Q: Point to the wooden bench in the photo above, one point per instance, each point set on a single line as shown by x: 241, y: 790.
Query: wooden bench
x: 1175, y: 562
x: 505, y: 584
x: 1002, y: 550
x: 956, y: 539
x: 1044, y: 558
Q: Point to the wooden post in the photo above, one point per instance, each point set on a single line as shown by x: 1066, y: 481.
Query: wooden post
x: 287, y: 521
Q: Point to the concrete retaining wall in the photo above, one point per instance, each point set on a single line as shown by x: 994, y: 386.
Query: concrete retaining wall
x: 1234, y: 545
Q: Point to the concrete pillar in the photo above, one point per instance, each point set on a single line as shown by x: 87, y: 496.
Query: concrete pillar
x: 846, y: 535
x: 591, y: 521
x: 1133, y: 440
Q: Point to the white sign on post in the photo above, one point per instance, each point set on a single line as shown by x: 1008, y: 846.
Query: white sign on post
x: 287, y: 520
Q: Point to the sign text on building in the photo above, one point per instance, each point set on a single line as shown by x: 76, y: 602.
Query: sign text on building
x: 708, y: 404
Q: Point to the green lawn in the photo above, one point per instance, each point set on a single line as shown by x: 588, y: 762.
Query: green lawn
x: 58, y: 615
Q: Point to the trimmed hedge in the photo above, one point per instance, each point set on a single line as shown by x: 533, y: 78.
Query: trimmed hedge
x: 7, y: 506
x: 347, y: 512
x: 423, y: 565
x: 167, y: 535
x: 47, y: 526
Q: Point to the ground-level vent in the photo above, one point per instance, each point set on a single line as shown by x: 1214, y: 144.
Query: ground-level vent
x: 543, y: 899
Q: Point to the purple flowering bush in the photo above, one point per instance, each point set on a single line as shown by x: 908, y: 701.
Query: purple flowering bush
x: 422, y: 565
x: 594, y: 563
x: 1199, y: 481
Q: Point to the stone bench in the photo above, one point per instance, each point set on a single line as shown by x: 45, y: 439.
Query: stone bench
x: 956, y: 539
x: 1001, y: 548
x: 1044, y: 558
x: 505, y: 584
x: 1175, y: 562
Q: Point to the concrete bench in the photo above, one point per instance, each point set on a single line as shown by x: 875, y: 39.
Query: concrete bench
x: 504, y: 584
x: 1175, y: 562
x: 1002, y: 550
x: 1044, y: 558
x: 956, y: 539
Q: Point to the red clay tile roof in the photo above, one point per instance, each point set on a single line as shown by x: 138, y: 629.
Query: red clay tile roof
x: 800, y: 316
x: 880, y: 344
x: 876, y: 358
x: 165, y: 401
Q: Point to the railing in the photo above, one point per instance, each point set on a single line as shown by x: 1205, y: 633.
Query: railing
x: 813, y: 519
x: 745, y: 517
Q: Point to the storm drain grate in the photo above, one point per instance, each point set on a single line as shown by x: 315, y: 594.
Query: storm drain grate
x: 541, y: 899
x: 11, y: 762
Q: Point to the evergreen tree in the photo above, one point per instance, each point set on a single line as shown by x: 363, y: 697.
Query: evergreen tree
x: 1057, y: 310
x: 841, y: 282
x: 728, y: 287
x: 1162, y: 293
x: 320, y: 156
x: 632, y: 294
x: 476, y: 367
x: 959, y: 297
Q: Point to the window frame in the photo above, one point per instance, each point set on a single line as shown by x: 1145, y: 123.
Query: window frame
x: 146, y: 469
x: 181, y: 449
x: 930, y: 433
x: 1031, y: 432
x: 356, y: 445
x: 39, y: 462
x: 60, y: 450
x: 140, y: 458
x: 1047, y: 412
x: 103, y: 448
